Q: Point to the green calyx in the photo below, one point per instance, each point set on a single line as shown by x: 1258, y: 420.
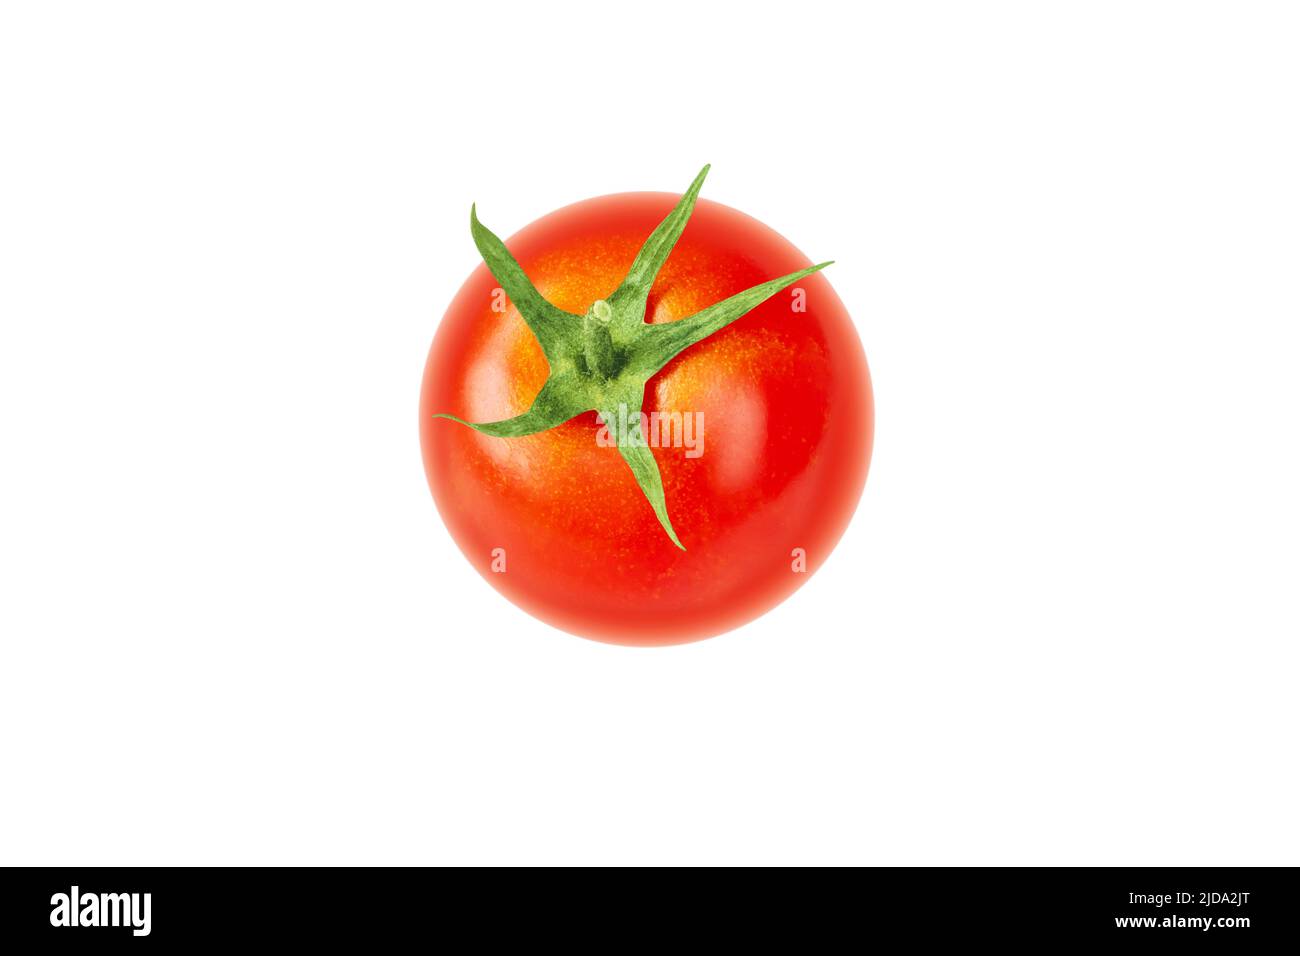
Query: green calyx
x: 602, y: 360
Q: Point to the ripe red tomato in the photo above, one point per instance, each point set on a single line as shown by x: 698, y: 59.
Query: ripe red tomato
x: 556, y: 521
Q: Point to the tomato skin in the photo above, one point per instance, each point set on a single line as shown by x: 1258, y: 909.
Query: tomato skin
x: 788, y: 423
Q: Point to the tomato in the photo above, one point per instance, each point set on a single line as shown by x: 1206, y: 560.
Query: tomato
x: 777, y: 406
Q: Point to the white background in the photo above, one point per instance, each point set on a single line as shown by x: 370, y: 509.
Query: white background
x: 1061, y: 629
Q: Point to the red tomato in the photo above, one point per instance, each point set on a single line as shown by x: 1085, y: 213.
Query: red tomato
x: 557, y: 523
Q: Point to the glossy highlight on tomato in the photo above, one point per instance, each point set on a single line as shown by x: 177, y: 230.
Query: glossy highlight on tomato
x: 556, y: 522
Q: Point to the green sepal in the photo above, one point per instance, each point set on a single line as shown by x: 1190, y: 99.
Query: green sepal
x: 553, y: 326
x: 667, y: 340
x: 636, y: 452
x: 558, y: 401
x: 629, y: 299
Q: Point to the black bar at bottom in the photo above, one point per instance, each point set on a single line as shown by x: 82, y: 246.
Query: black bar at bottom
x: 383, y: 907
